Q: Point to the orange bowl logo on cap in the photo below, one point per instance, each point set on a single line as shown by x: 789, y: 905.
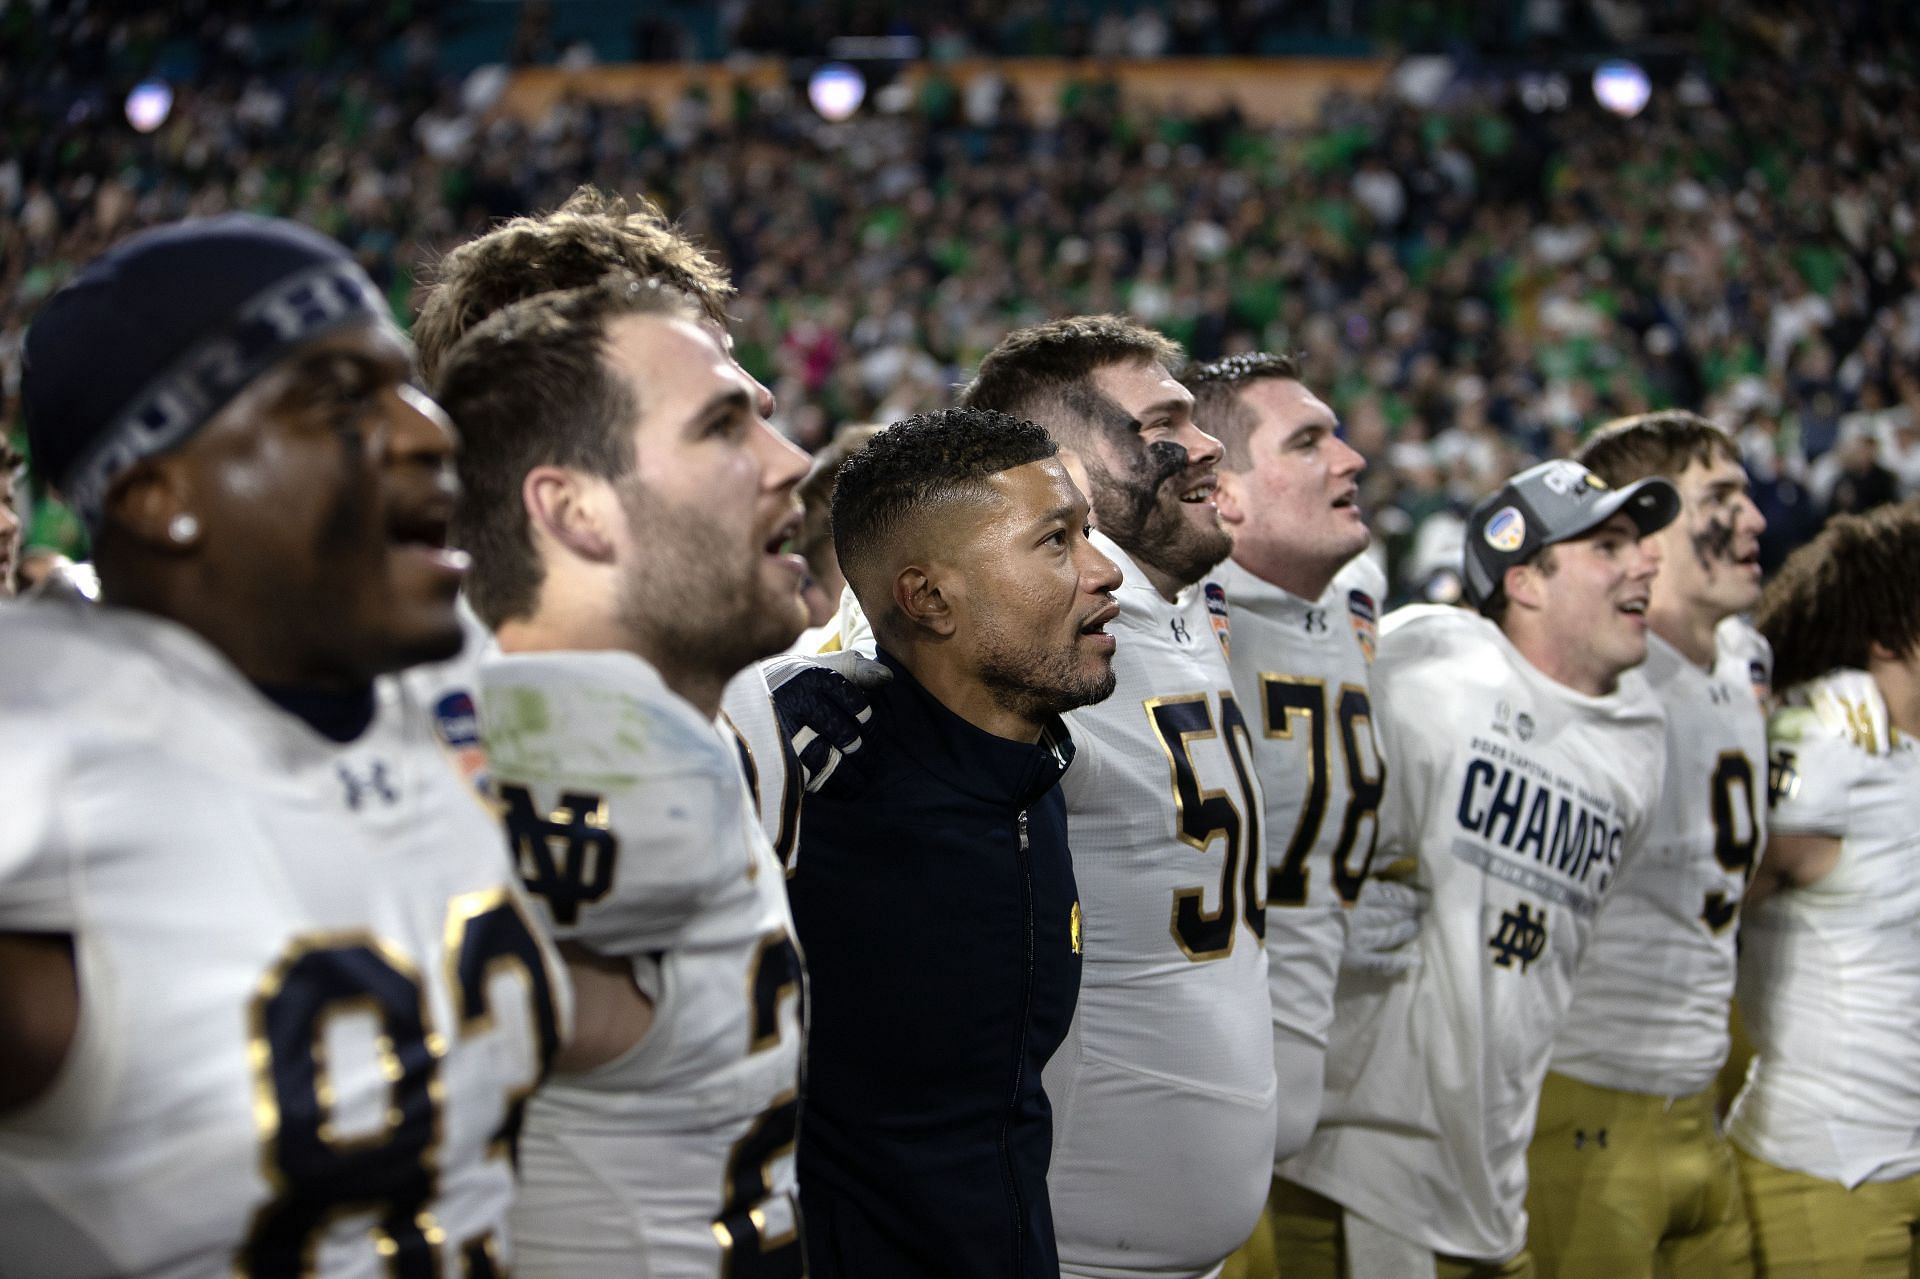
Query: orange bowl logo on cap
x: 1506, y: 530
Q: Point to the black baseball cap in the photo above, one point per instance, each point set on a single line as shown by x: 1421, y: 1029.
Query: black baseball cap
x: 1553, y: 502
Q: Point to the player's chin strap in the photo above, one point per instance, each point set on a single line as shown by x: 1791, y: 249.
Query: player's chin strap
x: 1374, y: 1252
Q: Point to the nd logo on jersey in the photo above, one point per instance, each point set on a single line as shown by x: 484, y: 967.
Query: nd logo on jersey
x: 1521, y: 936
x: 566, y: 856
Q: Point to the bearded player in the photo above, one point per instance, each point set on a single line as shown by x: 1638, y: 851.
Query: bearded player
x: 625, y: 506
x: 589, y: 237
x: 1163, y: 1094
x: 1523, y: 755
x: 1646, y: 1035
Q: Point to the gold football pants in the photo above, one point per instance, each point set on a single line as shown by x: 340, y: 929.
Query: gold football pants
x: 1623, y: 1185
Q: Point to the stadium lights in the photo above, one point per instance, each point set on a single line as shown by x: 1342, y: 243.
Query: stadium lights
x: 1621, y: 87
x: 149, y: 105
x: 836, y: 91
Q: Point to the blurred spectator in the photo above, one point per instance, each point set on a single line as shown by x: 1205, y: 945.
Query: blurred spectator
x: 1862, y: 483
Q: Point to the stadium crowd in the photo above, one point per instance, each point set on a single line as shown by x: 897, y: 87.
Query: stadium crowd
x: 1473, y: 282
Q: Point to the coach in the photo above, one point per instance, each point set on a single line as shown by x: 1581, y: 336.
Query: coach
x: 933, y: 893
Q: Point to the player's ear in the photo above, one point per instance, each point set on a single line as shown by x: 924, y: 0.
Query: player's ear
x: 1230, y: 497
x: 1522, y: 586
x: 927, y: 597
x: 565, y: 507
x: 153, y: 503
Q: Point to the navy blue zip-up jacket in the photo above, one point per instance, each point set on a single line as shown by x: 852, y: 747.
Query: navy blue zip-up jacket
x: 936, y: 907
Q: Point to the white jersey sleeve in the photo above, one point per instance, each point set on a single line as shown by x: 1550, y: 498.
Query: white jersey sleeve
x: 1820, y: 737
x: 615, y: 793
x: 1830, y: 971
x: 1170, y: 1060
x: 746, y: 709
x: 1517, y: 799
x: 1649, y: 1010
x: 1301, y: 670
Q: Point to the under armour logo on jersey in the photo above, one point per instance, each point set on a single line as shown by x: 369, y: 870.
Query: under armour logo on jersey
x: 374, y: 784
x: 1719, y: 694
x: 1316, y: 621
x: 565, y: 857
x: 1180, y: 635
x: 1520, y: 936
x: 1580, y: 1138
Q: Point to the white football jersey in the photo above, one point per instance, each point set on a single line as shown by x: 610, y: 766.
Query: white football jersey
x: 1518, y: 798
x: 1163, y: 1093
x: 1649, y: 1010
x: 1301, y: 670
x: 747, y: 714
x: 312, y: 998
x: 631, y: 828
x: 1830, y: 973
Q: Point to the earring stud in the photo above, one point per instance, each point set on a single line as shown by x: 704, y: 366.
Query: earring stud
x: 183, y: 528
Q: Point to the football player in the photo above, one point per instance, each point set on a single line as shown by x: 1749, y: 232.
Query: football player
x: 1830, y: 949
x: 1163, y: 1094
x: 270, y: 999
x: 626, y: 504
x: 1523, y: 754
x: 1303, y: 603
x: 589, y: 237
x: 1628, y: 1172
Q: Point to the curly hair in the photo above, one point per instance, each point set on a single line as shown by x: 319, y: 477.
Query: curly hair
x: 921, y: 461
x: 1044, y: 372
x: 590, y: 236
x: 1842, y: 594
x: 1216, y: 391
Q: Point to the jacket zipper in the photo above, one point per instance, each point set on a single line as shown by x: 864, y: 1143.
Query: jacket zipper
x: 1020, y: 1060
